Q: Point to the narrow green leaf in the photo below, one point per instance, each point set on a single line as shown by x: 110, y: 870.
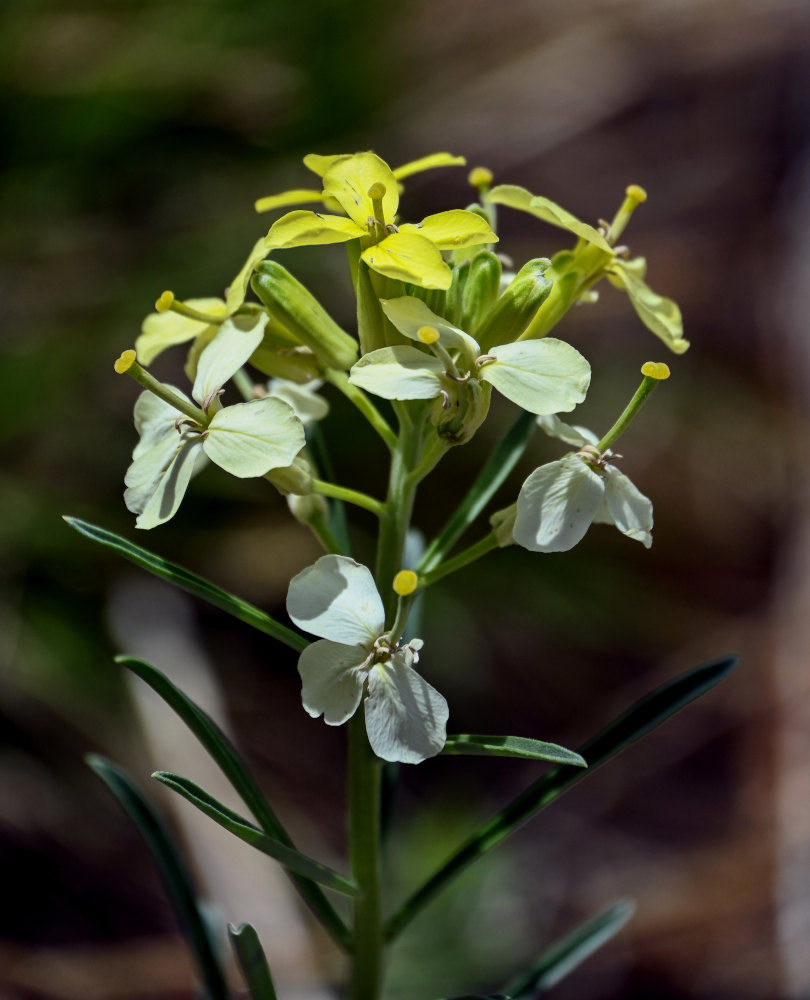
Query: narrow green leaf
x: 558, y: 961
x: 172, y: 870
x: 511, y: 746
x: 189, y: 581
x: 503, y: 459
x: 224, y: 753
x: 644, y: 716
x: 250, y: 834
x: 252, y: 961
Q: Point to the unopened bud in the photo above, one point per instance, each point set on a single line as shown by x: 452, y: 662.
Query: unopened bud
x: 304, y: 508
x: 480, y: 291
x: 503, y: 523
x: 512, y: 313
x: 295, y: 478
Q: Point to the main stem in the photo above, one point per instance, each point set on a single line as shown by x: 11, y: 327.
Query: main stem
x: 365, y: 769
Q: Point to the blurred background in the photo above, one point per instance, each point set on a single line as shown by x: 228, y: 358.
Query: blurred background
x: 137, y: 136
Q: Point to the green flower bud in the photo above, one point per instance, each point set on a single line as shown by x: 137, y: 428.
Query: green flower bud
x: 295, y: 478
x: 480, y: 291
x: 503, y: 523
x: 455, y: 293
x: 304, y: 508
x: 514, y: 310
x: 461, y: 409
x: 280, y: 355
x: 297, y: 309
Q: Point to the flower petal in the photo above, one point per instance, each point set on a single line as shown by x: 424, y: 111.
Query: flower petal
x: 299, y: 196
x: 227, y: 352
x: 348, y: 180
x: 406, y: 718
x: 336, y: 599
x: 629, y: 509
x: 162, y: 330
x: 517, y: 197
x: 250, y: 439
x: 400, y: 372
x: 569, y: 433
x: 307, y: 405
x: 542, y: 376
x: 303, y: 229
x: 157, y: 480
x: 409, y: 315
x: 332, y: 680
x: 658, y: 314
x: 237, y: 290
x: 453, y: 230
x: 556, y: 505
x: 409, y: 257
x: 428, y: 163
x: 320, y: 164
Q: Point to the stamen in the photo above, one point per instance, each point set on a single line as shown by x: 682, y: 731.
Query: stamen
x: 125, y: 362
x: 445, y: 399
x: 377, y: 191
x: 655, y: 369
x: 484, y: 358
x: 165, y: 302
x: 427, y: 334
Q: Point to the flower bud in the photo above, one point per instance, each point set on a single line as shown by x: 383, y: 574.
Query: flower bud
x: 460, y: 410
x: 299, y: 311
x: 511, y: 314
x: 295, y: 478
x: 280, y: 355
x: 304, y: 508
x: 480, y: 290
x: 503, y: 523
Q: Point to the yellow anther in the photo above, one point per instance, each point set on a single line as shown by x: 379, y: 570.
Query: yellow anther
x: 376, y: 191
x: 165, y: 302
x: 428, y: 334
x: 125, y: 362
x: 655, y: 369
x: 480, y: 177
x: 637, y: 193
x: 405, y: 582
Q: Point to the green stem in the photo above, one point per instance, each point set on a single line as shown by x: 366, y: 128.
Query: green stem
x: 166, y: 393
x: 349, y: 496
x: 632, y: 408
x: 320, y: 529
x: 244, y: 384
x: 365, y: 771
x: 431, y: 456
x: 341, y: 382
x: 480, y: 548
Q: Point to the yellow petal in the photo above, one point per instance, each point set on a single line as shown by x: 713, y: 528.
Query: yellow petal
x: 518, y: 197
x: 348, y: 180
x: 409, y: 257
x: 237, y: 290
x: 297, y: 197
x: 320, y: 164
x: 428, y: 163
x: 302, y: 228
x: 453, y: 230
x: 162, y: 330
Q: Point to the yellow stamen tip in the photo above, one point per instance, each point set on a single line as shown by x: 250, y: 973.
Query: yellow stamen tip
x: 165, y: 302
x: 428, y: 334
x: 637, y: 193
x: 480, y: 177
x: 376, y: 191
x: 125, y: 362
x: 655, y: 369
x: 405, y: 582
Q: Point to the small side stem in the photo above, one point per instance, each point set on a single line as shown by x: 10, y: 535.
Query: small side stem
x: 320, y: 529
x: 469, y: 555
x: 349, y: 496
x: 341, y: 382
x: 632, y: 408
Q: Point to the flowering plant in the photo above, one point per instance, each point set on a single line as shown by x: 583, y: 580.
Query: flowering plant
x: 442, y: 319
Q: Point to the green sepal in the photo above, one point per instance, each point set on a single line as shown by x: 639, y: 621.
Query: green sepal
x: 511, y: 746
x: 223, y: 752
x: 562, y: 957
x: 281, y: 355
x: 190, y: 582
x: 297, y: 309
x: 465, y: 408
x: 172, y: 870
x: 294, y: 861
x: 455, y: 293
x: 252, y: 961
x: 480, y: 292
x: 512, y: 313
x: 370, y: 319
x: 645, y: 715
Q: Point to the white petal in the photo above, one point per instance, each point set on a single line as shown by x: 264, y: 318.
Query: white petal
x: 307, y: 405
x: 556, y: 505
x: 630, y: 510
x: 227, y: 352
x: 332, y: 680
x: 250, y: 439
x: 154, y: 421
x: 158, y: 480
x: 399, y: 373
x: 162, y: 330
x: 409, y: 315
x: 336, y: 599
x: 406, y: 718
x: 569, y: 433
x: 542, y: 376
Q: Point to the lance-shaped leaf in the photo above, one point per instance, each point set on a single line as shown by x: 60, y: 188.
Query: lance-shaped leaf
x: 166, y: 329
x: 645, y: 715
x: 191, y: 582
x: 172, y: 870
x: 543, y: 208
x: 252, y: 961
x: 222, y: 751
x: 231, y: 821
x: 511, y: 746
x: 409, y: 257
x: 541, y: 376
x: 658, y: 314
x: 453, y: 230
x: 561, y: 958
x: 400, y: 372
